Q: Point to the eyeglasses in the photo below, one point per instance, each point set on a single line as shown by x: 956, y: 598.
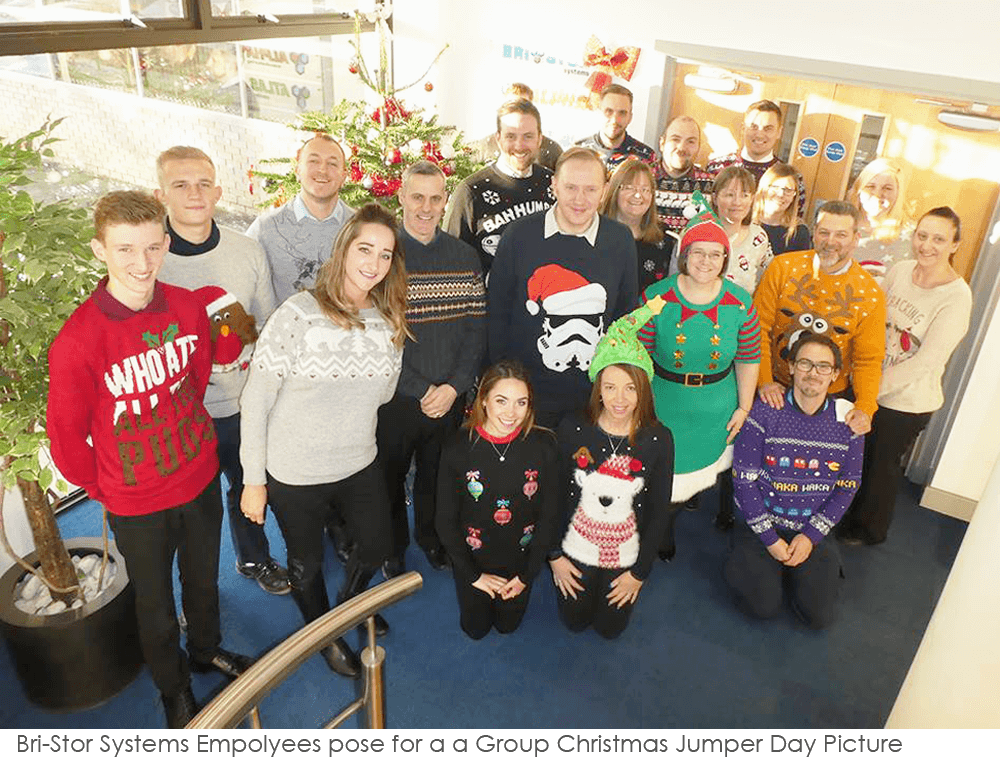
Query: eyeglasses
x: 823, y: 367
x: 712, y: 257
x: 641, y: 190
x: 784, y: 191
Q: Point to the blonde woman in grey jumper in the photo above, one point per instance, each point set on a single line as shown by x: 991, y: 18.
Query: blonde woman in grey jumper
x: 325, y: 361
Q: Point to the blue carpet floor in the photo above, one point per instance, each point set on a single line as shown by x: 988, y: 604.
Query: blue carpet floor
x: 687, y: 660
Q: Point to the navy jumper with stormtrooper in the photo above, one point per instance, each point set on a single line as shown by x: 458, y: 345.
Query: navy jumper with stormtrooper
x: 550, y: 300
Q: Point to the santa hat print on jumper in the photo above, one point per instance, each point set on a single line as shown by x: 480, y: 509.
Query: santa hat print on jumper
x: 562, y: 292
x: 233, y: 330
x: 620, y: 345
x: 215, y: 298
x: 704, y: 226
x: 621, y: 466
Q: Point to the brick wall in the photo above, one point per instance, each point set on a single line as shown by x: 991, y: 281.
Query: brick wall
x: 119, y: 135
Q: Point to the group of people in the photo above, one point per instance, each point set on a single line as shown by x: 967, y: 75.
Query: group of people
x: 635, y: 340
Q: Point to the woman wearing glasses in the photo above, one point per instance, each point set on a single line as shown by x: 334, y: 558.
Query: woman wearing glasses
x: 705, y: 347
x: 629, y: 200
x: 749, y: 247
x: 776, y: 210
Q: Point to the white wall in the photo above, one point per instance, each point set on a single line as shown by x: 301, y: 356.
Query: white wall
x: 972, y: 448
x: 118, y: 135
x: 956, y: 38
x: 953, y: 680
x: 16, y: 525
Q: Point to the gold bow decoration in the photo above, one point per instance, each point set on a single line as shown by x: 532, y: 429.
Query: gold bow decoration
x: 621, y: 62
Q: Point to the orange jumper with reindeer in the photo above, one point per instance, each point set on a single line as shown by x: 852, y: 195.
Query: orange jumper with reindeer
x: 795, y: 296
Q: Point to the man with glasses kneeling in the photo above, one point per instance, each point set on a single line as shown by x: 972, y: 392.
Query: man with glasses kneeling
x: 795, y: 471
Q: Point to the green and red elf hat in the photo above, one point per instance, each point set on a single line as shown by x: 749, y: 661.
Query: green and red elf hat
x: 704, y: 226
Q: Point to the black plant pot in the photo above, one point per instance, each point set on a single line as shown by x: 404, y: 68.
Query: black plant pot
x: 80, y: 658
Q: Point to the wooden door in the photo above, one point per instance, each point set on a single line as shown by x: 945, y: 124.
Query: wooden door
x: 943, y: 166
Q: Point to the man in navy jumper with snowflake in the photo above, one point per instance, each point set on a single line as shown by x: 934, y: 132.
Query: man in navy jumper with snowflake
x: 559, y: 279
x: 795, y: 471
x: 514, y: 186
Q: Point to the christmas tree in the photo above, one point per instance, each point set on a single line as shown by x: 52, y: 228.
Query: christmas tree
x: 380, y: 142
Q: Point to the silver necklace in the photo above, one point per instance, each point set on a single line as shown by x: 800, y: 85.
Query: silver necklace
x: 502, y: 455
x: 614, y: 449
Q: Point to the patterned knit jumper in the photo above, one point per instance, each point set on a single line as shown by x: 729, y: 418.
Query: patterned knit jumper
x: 796, y: 471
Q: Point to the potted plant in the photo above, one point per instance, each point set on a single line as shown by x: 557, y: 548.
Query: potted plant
x: 81, y: 656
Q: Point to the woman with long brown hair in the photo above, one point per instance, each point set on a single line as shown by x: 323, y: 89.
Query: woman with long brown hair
x: 497, y: 502
x: 749, y: 248
x: 619, y: 466
x: 629, y: 200
x: 325, y: 361
x: 776, y: 209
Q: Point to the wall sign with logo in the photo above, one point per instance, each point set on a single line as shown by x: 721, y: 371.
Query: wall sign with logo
x: 835, y: 151
x: 284, y: 82
x: 808, y: 147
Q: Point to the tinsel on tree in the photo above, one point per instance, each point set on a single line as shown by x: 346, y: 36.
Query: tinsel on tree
x: 380, y: 141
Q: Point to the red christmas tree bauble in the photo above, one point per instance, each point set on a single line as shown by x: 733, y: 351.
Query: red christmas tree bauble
x: 428, y: 86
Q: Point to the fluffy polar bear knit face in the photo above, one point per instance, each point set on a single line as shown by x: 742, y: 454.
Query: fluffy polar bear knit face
x: 606, y: 497
x: 603, y: 531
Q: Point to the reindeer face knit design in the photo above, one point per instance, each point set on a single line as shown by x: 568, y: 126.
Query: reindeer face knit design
x: 795, y: 297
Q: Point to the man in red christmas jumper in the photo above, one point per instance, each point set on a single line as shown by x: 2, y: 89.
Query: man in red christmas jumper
x: 128, y: 371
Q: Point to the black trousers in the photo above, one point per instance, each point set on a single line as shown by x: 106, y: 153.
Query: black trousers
x: 404, y: 432
x: 893, y: 433
x: 249, y: 539
x: 591, y: 607
x: 480, y: 613
x: 303, y: 511
x: 148, y: 542
x: 757, y: 580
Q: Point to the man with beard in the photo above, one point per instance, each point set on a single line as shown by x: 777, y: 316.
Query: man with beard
x: 795, y: 471
x: 612, y: 142
x: 511, y: 188
x: 824, y: 291
x: 677, y: 177
x: 559, y: 279
x: 486, y: 149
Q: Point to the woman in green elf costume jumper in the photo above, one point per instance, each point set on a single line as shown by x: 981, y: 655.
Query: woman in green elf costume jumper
x: 705, y: 347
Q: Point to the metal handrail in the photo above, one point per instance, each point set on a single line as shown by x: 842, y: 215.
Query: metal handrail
x: 241, y: 697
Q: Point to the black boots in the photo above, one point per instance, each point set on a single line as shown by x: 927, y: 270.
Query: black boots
x: 311, y: 598
x: 357, y: 579
x: 341, y: 659
x: 181, y: 709
x: 341, y: 539
x: 667, y: 547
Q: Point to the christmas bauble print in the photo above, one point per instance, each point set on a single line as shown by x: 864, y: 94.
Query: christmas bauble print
x: 502, y: 515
